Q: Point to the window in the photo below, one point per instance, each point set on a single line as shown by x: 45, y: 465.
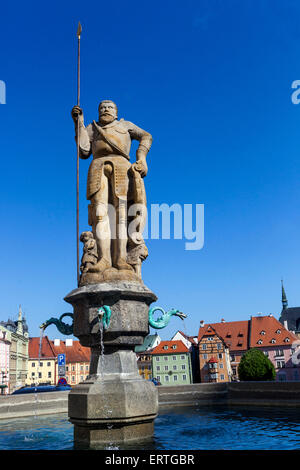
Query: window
x: 221, y: 366
x: 184, y: 377
x: 157, y: 358
x: 232, y: 357
x: 262, y: 332
x: 273, y: 340
x: 266, y: 353
x: 73, y: 368
x: 280, y: 364
x: 183, y: 367
x: 174, y: 358
x: 175, y: 378
x: 87, y: 368
x: 278, y: 331
x: 48, y: 364
x: 166, y: 347
x: 40, y: 375
x: 49, y: 375
x: 41, y: 364
x: 203, y: 346
x: 73, y: 378
x: 259, y: 341
x: 158, y: 368
x: 220, y: 356
x: 222, y: 377
x: 166, y: 378
x: 174, y: 346
x: 158, y: 377
x: 33, y: 364
x: 219, y: 346
x: 182, y: 357
x: 279, y: 353
x: 204, y: 356
x: 174, y: 367
x: 166, y: 367
x: 287, y: 340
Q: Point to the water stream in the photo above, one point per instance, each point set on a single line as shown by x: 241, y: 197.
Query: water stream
x: 36, y: 381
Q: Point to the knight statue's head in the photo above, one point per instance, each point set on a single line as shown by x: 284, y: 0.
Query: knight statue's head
x: 108, y: 111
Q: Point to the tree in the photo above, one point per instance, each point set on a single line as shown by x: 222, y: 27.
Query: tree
x: 255, y: 366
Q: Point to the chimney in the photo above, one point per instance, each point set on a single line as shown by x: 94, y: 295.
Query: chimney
x: 69, y: 342
x: 56, y: 342
x: 201, y: 323
x: 222, y: 320
x: 285, y: 324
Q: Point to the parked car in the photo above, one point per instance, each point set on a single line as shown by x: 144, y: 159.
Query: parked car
x: 42, y: 388
x: 155, y: 381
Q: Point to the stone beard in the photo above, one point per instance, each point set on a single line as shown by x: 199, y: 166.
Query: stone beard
x: 113, y: 182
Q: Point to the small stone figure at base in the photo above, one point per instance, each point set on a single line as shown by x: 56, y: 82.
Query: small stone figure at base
x: 90, y: 256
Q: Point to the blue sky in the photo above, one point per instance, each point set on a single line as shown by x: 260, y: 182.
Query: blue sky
x: 211, y: 80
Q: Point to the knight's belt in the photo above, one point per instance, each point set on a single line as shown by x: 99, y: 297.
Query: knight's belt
x: 119, y: 178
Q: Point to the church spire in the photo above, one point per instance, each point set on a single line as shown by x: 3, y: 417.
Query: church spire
x: 283, y: 297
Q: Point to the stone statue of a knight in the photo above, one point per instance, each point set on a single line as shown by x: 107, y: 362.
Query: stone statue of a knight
x: 114, y: 183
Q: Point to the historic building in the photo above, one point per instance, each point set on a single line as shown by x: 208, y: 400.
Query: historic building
x: 191, y: 343
x: 144, y: 357
x: 264, y: 332
x: 214, y: 361
x: 5, y: 342
x: 290, y: 316
x: 235, y: 337
x: 18, y: 352
x: 41, y: 362
x: 278, y: 344
x: 171, y: 363
x: 43, y: 366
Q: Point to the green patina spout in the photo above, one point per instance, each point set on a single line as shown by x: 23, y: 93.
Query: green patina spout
x: 104, y: 314
x: 166, y: 317
x: 62, y: 327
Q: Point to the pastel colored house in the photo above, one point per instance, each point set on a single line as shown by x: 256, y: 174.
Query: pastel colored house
x: 171, y: 363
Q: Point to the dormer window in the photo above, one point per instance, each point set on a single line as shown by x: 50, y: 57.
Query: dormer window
x: 262, y: 332
x: 287, y: 340
x: 259, y: 341
x: 166, y: 347
x: 278, y: 331
x: 273, y: 340
x: 174, y: 346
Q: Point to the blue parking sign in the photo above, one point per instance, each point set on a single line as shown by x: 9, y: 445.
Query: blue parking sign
x: 61, y: 359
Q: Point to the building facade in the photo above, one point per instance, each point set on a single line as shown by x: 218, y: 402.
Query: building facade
x: 43, y: 364
x: 5, y: 342
x: 263, y: 332
x: 171, y: 363
x: 214, y: 360
x: 18, y: 354
x: 143, y: 354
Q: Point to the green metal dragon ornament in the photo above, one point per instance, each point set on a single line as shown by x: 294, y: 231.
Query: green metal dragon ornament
x: 62, y: 327
x: 104, y: 314
x: 161, y: 322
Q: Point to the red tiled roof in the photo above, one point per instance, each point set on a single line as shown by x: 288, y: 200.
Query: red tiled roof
x: 269, y: 325
x: 180, y: 348
x: 74, y: 353
x: 46, y: 350
x: 234, y: 334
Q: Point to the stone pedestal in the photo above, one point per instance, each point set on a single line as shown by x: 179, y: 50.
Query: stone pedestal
x: 115, y: 404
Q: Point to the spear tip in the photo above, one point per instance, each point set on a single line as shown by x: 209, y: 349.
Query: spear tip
x: 79, y: 29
